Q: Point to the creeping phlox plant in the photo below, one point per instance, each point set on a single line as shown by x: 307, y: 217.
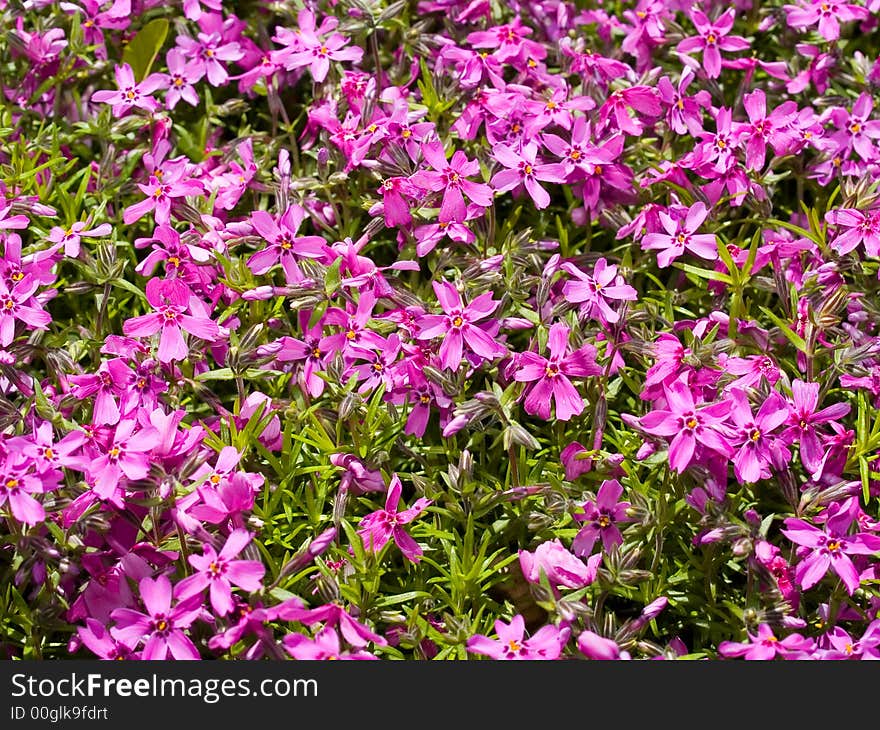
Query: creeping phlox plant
x: 439, y: 329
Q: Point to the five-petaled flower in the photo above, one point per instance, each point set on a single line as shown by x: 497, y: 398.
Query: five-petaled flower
x: 550, y: 378
x: 382, y: 525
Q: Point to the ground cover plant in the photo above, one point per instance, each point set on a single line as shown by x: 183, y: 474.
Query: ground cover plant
x: 439, y: 329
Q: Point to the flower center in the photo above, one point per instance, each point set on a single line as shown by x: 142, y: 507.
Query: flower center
x: 161, y: 625
x: 552, y: 371
x: 457, y: 321
x: 424, y: 399
x: 603, y: 521
x: 527, y: 169
x: 691, y: 422
x: 710, y: 39
x: 755, y: 435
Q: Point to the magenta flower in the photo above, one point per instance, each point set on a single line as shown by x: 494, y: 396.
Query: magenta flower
x: 458, y: 326
x: 17, y: 485
x: 162, y: 627
x: 130, y: 94
x: 598, y: 648
x: 107, y: 385
x: 282, y: 242
x: 759, y: 448
x: 18, y: 303
x: 691, y: 428
x: 331, y: 614
x: 160, y: 196
x: 765, y: 646
x: 601, y: 516
x: 315, y: 52
x: 451, y: 178
x: 829, y: 548
x: 853, y: 228
x: 596, y: 292
x: 325, y: 646
x: 71, y: 236
x: 219, y: 572
x: 547, y: 642
x: 170, y: 303
x: 762, y: 128
x: 126, y: 454
x: 683, y: 112
x: 98, y: 640
x: 179, y: 80
x: 855, y: 130
x: 804, y: 419
x: 378, y: 527
x: 553, y: 375
x: 524, y: 169
x: 680, y: 235
x: 827, y: 13
x: 712, y: 40
x: 207, y: 52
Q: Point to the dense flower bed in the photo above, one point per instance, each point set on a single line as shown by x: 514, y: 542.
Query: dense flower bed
x: 437, y: 329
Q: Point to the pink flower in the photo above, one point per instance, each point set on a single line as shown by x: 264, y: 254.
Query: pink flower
x: 283, y: 245
x: 828, y: 13
x: 691, y: 428
x: 759, y: 448
x: 765, y: 646
x: 170, y: 303
x: 124, y: 454
x: 680, y: 235
x: 601, y: 516
x: 219, y: 572
x: 546, y: 644
x: 561, y: 566
x: 829, y: 548
x: 853, y: 228
x: 18, y: 303
x: 524, y: 169
x: 458, y: 326
x: 378, y: 527
x: 130, y: 93
x: 713, y: 38
x: 325, y: 646
x: 17, y: 485
x: 597, y: 291
x: 451, y: 178
x: 315, y: 52
x: 179, y: 80
x: 160, y: 196
x: 162, y: 627
x: 804, y: 418
x: 71, y: 236
x: 553, y: 375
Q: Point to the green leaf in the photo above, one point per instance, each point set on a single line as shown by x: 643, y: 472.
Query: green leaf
x: 792, y: 336
x: 704, y: 273
x: 143, y: 48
